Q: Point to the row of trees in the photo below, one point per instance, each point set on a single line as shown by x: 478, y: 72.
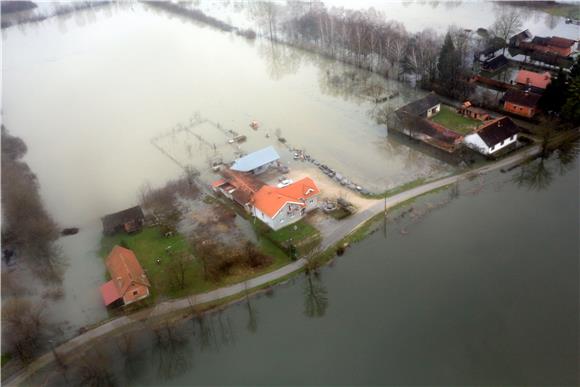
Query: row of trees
x: 366, y: 39
x: 27, y: 228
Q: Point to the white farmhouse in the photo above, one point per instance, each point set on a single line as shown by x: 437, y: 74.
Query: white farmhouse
x: 493, y: 136
x: 279, y: 207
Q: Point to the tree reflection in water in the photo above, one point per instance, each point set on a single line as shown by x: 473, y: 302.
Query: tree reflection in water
x: 315, y: 295
x: 173, y: 351
x: 534, y: 175
x: 538, y: 174
x: 567, y: 155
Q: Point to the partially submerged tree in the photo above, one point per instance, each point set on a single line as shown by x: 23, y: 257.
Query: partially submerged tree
x: 507, y: 23
x: 27, y: 226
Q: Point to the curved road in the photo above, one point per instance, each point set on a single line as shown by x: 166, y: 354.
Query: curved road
x: 344, y: 228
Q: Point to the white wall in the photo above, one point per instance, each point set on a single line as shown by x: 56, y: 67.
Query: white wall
x: 474, y: 141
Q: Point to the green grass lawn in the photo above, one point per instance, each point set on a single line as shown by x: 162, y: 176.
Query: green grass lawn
x: 149, y: 245
x: 6, y: 358
x: 301, y: 234
x: 453, y: 121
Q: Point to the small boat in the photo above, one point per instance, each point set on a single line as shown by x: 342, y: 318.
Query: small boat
x: 70, y: 231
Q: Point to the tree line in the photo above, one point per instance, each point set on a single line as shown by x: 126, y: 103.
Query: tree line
x: 28, y: 230
x: 366, y: 39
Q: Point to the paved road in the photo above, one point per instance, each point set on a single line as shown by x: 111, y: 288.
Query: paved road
x: 344, y: 228
x: 350, y: 224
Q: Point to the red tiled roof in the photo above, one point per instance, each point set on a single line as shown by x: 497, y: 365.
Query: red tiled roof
x: 218, y: 183
x: 521, y: 98
x: 539, y: 80
x: 241, y: 180
x: 557, y: 41
x: 125, y: 270
x: 109, y: 292
x: 270, y: 200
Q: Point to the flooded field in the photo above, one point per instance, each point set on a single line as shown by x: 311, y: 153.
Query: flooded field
x: 120, y: 96
x: 109, y: 99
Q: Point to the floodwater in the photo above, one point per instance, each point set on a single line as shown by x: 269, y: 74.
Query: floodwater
x: 112, y: 98
x: 416, y: 15
x: 476, y: 285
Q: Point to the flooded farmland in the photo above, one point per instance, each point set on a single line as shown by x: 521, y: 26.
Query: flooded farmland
x: 110, y: 99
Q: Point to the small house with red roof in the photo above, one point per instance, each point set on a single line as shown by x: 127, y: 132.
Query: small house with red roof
x: 128, y: 282
x: 279, y: 207
x: 522, y: 103
x: 535, y: 81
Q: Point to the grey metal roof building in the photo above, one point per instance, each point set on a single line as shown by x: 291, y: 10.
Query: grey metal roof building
x: 255, y: 161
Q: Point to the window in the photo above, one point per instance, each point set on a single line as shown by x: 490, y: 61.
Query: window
x: 135, y: 292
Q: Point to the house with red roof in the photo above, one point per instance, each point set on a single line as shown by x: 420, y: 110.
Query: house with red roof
x: 128, y: 282
x: 281, y: 206
x: 537, y: 81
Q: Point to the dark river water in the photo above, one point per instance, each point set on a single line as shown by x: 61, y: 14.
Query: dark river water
x: 481, y: 289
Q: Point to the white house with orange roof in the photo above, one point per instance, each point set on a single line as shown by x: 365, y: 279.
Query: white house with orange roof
x: 279, y: 207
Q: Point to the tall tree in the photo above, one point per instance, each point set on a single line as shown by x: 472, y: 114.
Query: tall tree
x: 507, y: 23
x: 449, y: 65
x: 556, y: 93
x: 571, y: 109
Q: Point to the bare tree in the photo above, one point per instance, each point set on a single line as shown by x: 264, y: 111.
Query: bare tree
x: 266, y: 13
x: 176, y: 270
x: 507, y: 23
x: 24, y: 327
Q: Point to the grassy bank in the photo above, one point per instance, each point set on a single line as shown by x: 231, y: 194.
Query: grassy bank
x: 401, y: 188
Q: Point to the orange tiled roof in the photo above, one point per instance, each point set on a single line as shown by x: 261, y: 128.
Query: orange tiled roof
x: 125, y: 270
x: 270, y: 200
x: 539, y: 80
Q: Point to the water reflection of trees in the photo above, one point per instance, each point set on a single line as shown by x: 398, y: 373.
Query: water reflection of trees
x: 534, y: 175
x: 315, y: 294
x: 538, y: 174
x: 281, y: 60
x: 172, y: 349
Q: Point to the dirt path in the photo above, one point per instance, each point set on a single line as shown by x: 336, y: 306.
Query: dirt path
x: 331, y: 237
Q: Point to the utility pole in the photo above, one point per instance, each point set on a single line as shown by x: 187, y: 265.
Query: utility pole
x: 385, y: 218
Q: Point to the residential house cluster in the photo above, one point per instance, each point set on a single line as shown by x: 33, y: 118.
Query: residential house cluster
x: 493, y: 135
x: 128, y: 283
x: 277, y: 206
x: 523, y: 99
x: 532, y: 52
x: 550, y: 45
x: 414, y: 121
